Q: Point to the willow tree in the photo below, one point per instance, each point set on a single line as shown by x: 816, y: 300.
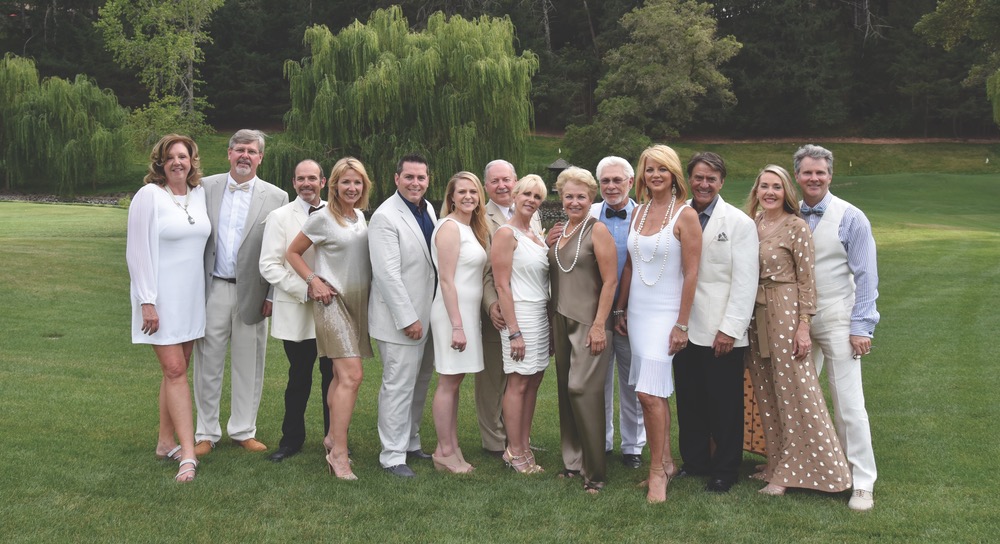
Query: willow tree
x: 456, y: 91
x: 59, y: 130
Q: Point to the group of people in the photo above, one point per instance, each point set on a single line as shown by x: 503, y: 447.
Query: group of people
x: 684, y: 294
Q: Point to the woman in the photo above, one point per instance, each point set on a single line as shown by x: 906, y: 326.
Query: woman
x: 583, y: 271
x: 658, y: 285
x: 341, y: 281
x: 800, y: 440
x: 458, y: 250
x: 521, y: 275
x: 168, y: 227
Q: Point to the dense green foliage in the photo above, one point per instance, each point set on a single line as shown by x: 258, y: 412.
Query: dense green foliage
x: 57, y: 131
x: 455, y: 92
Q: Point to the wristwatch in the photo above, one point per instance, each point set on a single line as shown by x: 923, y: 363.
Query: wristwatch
x: 683, y: 328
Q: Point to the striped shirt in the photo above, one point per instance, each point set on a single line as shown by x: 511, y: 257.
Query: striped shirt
x: 855, y: 233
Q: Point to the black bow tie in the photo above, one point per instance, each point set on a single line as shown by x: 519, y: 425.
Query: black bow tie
x: 621, y: 214
x: 315, y: 209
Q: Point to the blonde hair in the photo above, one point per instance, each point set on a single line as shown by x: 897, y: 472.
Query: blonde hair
x: 663, y: 155
x: 333, y: 197
x: 791, y: 203
x: 531, y: 181
x: 478, y: 219
x: 578, y: 175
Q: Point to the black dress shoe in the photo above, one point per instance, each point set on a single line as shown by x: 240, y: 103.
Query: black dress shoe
x: 417, y: 454
x: 283, y: 453
x: 402, y: 471
x: 718, y: 485
x: 684, y: 473
x: 632, y: 460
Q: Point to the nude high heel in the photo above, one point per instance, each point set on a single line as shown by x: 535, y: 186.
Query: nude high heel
x: 451, y: 463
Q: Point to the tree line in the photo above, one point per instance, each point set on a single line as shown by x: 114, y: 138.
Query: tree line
x: 614, y: 74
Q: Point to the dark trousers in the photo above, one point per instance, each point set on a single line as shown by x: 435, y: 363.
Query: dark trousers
x: 710, y: 409
x: 301, y: 358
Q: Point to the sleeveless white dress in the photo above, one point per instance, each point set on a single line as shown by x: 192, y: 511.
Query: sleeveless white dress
x: 529, y: 286
x: 653, y: 309
x: 469, y: 285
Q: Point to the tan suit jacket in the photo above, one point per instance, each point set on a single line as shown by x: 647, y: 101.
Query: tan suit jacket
x: 251, y: 287
x: 403, y: 278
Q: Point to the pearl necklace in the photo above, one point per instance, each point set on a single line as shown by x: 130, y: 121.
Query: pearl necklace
x: 183, y: 207
x: 656, y: 246
x: 579, y: 242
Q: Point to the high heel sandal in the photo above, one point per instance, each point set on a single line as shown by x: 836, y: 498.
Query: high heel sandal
x: 535, y: 467
x: 451, y: 463
x: 655, y: 473
x: 517, y: 462
x: 774, y: 490
x: 458, y: 453
x: 343, y: 474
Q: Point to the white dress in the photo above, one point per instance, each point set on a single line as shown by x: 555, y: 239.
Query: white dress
x: 529, y: 286
x: 166, y: 263
x: 653, y: 309
x: 469, y: 287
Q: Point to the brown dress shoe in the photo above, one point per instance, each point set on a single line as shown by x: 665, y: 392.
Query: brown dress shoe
x: 203, y: 447
x: 250, y: 444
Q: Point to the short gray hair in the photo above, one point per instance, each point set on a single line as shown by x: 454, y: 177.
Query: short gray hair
x: 246, y: 136
x: 614, y: 161
x: 813, y: 152
x: 498, y: 162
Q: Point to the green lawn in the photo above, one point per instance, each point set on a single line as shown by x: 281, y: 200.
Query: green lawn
x: 78, y: 412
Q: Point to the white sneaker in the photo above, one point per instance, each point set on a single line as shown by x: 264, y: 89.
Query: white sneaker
x: 861, y: 500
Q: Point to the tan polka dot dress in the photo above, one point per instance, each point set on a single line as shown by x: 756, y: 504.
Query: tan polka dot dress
x: 801, y: 444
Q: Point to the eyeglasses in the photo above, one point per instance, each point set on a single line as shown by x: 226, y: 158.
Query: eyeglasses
x: 613, y: 181
x: 249, y: 151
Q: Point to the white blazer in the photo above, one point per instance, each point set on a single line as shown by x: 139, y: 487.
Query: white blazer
x: 403, y: 277
x: 292, y: 311
x: 727, y: 277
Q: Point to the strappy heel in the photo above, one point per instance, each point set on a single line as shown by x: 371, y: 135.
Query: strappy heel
x: 517, y: 462
x: 343, y: 473
x: 451, y: 463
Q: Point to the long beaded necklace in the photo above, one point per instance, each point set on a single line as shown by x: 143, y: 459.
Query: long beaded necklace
x: 656, y: 246
x: 579, y: 242
x: 183, y: 207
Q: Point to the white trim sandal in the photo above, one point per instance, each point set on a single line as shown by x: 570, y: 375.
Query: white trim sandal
x: 183, y: 472
x: 172, y: 455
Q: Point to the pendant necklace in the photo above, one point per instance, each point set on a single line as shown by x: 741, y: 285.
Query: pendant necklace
x: 579, y: 242
x: 656, y: 246
x: 183, y: 207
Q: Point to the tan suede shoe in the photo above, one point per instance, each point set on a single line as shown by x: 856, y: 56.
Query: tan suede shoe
x: 203, y: 447
x: 250, y: 444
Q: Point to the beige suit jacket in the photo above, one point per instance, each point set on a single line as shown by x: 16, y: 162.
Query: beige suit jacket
x: 403, y: 277
x: 292, y: 314
x: 251, y: 287
x: 727, y: 277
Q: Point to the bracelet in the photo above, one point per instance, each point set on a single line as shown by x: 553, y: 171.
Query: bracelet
x: 459, y: 328
x: 310, y: 278
x: 805, y: 318
x: 515, y: 335
x: 683, y: 328
x: 618, y: 313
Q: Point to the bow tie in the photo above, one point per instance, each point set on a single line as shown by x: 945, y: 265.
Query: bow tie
x: 233, y: 187
x: 315, y: 208
x: 817, y: 210
x: 621, y: 214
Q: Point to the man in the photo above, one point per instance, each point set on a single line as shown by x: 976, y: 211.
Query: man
x: 615, y: 176
x: 709, y: 371
x: 236, y: 309
x: 403, y: 283
x: 499, y: 179
x: 846, y: 289
x: 292, y: 311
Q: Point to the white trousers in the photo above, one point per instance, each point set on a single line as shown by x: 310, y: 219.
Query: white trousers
x: 830, y: 331
x: 631, y: 426
x: 248, y: 343
x: 406, y: 374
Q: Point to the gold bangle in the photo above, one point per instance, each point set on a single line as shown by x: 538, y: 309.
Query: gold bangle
x: 805, y: 318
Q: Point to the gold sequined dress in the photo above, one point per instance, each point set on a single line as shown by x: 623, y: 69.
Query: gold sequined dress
x: 801, y: 443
